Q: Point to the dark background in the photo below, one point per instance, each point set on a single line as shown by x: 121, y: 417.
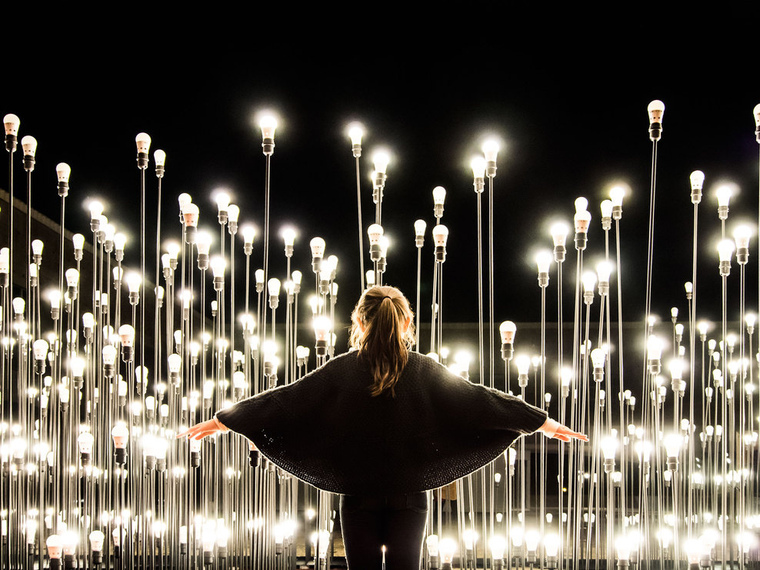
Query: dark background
x: 566, y: 92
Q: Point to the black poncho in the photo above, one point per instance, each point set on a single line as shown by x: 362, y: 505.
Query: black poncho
x: 327, y: 429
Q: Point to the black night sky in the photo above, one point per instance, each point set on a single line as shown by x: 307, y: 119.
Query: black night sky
x: 569, y: 104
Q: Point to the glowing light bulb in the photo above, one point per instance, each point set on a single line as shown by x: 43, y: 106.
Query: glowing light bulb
x: 617, y: 193
x: 490, y: 151
x: 127, y: 335
x: 606, y: 208
x: 322, y: 327
x: 439, y: 195
x: 543, y: 261
x: 656, y: 109
x: 725, y: 250
x: 419, y: 232
x: 355, y: 133
x: 317, y: 246
x: 11, y: 123
x: 190, y: 215
x: 374, y: 232
x: 267, y: 124
x: 120, y: 435
x: 249, y: 234
x: 440, y: 235
x: 380, y: 160
x: 142, y: 140
x: 478, y: 166
x: 63, y: 171
x: 672, y: 443
x: 72, y: 277
x: 54, y: 545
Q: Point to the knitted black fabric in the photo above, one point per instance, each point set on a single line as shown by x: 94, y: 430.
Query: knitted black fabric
x: 327, y: 429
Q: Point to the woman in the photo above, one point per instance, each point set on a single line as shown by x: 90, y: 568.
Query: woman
x: 380, y: 425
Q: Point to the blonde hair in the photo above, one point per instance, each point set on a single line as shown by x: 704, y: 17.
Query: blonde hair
x: 382, y: 330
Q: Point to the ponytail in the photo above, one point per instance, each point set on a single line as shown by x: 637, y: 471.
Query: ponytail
x: 383, y: 333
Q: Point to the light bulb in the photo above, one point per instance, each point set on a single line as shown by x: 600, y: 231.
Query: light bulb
x: 559, y: 233
x: 606, y: 208
x: 127, y: 335
x: 439, y: 195
x: 37, y: 247
x: 133, y: 281
x: 490, y: 149
x: 119, y: 241
x: 160, y: 157
x: 617, y: 193
x: 589, y: 281
x: 380, y: 160
x: 419, y: 228
x: 85, y: 442
x: 249, y: 234
x: 63, y: 172
x: 447, y: 548
x: 609, y: 447
x: 175, y: 363
x: 273, y: 286
x: 522, y: 362
x: 11, y: 123
x: 374, y: 232
x: 54, y: 545
x: 742, y: 234
x: 656, y: 109
x: 29, y: 144
x: 432, y: 544
x: 40, y: 349
x: 551, y: 545
x: 623, y: 548
x: 267, y: 124
x: 725, y: 250
x: 322, y: 327
x: 233, y: 214
x: 543, y: 261
x: 317, y: 246
x: 531, y: 540
x: 72, y: 277
x: 355, y: 133
x: 289, y: 236
x: 507, y: 331
x: 654, y: 348
x: 190, y: 215
x: 18, y: 306
x: 603, y: 271
x: 582, y: 220
x: 672, y: 443
x: 109, y: 355
x: 723, y: 195
x: 218, y: 266
x: 222, y: 200
x: 478, y: 166
x: 142, y: 140
x: 598, y: 358
x: 440, y: 235
x: 203, y: 242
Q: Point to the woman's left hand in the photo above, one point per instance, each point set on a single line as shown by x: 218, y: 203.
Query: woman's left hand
x: 554, y: 429
x: 203, y: 429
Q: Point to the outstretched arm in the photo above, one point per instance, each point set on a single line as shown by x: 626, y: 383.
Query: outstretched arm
x: 204, y: 429
x: 554, y: 429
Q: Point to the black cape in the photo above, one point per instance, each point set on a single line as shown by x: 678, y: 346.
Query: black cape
x: 327, y: 429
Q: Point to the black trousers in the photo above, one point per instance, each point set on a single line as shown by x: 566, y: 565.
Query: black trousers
x: 395, y: 521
